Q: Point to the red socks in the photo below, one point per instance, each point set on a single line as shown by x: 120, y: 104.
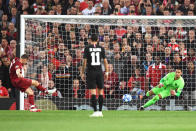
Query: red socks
x: 31, y: 99
x: 41, y: 88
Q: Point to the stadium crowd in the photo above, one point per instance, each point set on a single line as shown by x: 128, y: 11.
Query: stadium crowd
x: 138, y: 56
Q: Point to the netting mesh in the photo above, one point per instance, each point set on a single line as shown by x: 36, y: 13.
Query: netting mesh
x: 139, y: 51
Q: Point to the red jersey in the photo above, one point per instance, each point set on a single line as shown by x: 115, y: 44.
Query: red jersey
x: 3, y: 91
x: 112, y: 81
x: 155, y: 73
x: 141, y: 81
x: 15, y: 64
x: 174, y: 47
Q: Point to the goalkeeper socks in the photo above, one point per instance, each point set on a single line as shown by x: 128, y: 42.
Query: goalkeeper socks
x: 94, y: 102
x: 152, y: 101
x: 100, y: 100
x: 41, y: 88
x: 31, y: 99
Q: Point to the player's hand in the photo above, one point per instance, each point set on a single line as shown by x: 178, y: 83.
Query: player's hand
x: 173, y: 93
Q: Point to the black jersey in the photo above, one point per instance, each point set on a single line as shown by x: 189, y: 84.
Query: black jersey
x: 94, y: 54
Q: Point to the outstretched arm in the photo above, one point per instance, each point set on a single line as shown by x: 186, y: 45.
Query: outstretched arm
x: 179, y: 90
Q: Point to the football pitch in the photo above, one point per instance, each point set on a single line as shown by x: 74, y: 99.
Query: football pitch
x: 112, y: 121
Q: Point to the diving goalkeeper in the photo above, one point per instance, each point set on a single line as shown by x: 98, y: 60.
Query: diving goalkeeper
x: 170, y: 85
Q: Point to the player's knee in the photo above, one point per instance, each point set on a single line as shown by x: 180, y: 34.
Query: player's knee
x: 35, y: 83
x: 156, y: 98
x: 30, y: 91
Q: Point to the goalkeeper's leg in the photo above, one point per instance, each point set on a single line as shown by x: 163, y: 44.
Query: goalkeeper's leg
x: 152, y: 101
x: 163, y: 94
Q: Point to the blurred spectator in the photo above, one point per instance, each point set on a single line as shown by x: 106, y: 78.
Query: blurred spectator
x: 189, y: 76
x: 185, y: 7
x: 129, y: 67
x: 52, y: 89
x: 90, y: 10
x: 4, y: 21
x: 183, y: 50
x: 24, y: 6
x: 42, y: 60
x: 136, y: 83
x: 44, y: 76
x: 122, y: 89
x: 111, y: 83
x: 60, y: 53
x: 3, y: 91
x: 12, y: 49
x: 3, y: 34
x: 156, y: 71
x: 190, y: 42
x: 12, y: 31
x: 173, y: 45
x: 76, y: 88
x: 6, y: 63
x: 147, y: 62
x: 191, y: 55
x: 168, y: 56
x: 83, y: 5
x: 117, y: 60
x: 14, y: 16
x: 177, y: 61
x: 106, y: 9
x: 4, y: 46
x: 64, y: 77
x: 78, y: 57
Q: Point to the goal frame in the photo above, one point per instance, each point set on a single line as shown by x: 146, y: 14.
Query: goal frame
x: 56, y: 17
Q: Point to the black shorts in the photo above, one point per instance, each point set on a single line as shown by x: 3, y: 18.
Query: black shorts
x: 95, y: 78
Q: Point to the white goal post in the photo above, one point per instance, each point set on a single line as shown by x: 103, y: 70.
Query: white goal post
x: 42, y: 30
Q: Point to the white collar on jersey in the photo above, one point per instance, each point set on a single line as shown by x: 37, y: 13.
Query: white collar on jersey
x: 160, y: 65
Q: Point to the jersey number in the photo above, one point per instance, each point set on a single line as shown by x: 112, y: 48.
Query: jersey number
x: 95, y: 58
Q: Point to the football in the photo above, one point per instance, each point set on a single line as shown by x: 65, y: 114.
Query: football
x: 127, y: 98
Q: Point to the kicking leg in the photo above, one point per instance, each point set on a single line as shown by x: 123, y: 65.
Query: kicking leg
x: 38, y: 85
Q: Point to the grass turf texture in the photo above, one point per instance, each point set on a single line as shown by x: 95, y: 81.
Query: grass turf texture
x: 112, y: 121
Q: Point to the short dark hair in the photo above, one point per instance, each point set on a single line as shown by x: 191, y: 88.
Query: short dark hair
x: 178, y: 67
x: 25, y: 56
x: 94, y: 37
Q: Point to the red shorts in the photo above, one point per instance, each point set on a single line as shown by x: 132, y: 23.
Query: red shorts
x: 21, y: 83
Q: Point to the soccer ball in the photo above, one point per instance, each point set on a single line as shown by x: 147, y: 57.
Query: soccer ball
x: 127, y: 98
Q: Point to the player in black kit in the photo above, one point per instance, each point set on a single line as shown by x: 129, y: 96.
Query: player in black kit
x: 93, y: 54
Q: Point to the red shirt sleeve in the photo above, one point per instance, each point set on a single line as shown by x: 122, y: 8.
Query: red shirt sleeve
x: 5, y: 91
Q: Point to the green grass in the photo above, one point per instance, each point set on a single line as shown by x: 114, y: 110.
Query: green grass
x: 112, y: 121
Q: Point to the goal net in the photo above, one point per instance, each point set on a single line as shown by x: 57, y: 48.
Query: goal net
x: 140, y: 51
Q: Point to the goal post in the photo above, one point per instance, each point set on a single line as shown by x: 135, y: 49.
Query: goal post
x: 56, y: 43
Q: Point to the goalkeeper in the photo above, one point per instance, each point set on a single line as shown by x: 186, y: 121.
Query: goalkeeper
x: 170, y: 85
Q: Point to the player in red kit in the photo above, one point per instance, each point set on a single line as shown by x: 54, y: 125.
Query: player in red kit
x: 23, y: 84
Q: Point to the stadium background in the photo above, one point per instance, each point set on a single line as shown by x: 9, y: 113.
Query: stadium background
x: 128, y: 48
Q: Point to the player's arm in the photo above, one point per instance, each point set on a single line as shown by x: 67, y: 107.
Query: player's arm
x: 106, y: 65
x: 180, y: 88
x: 18, y: 73
x: 84, y: 66
x: 106, y: 68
